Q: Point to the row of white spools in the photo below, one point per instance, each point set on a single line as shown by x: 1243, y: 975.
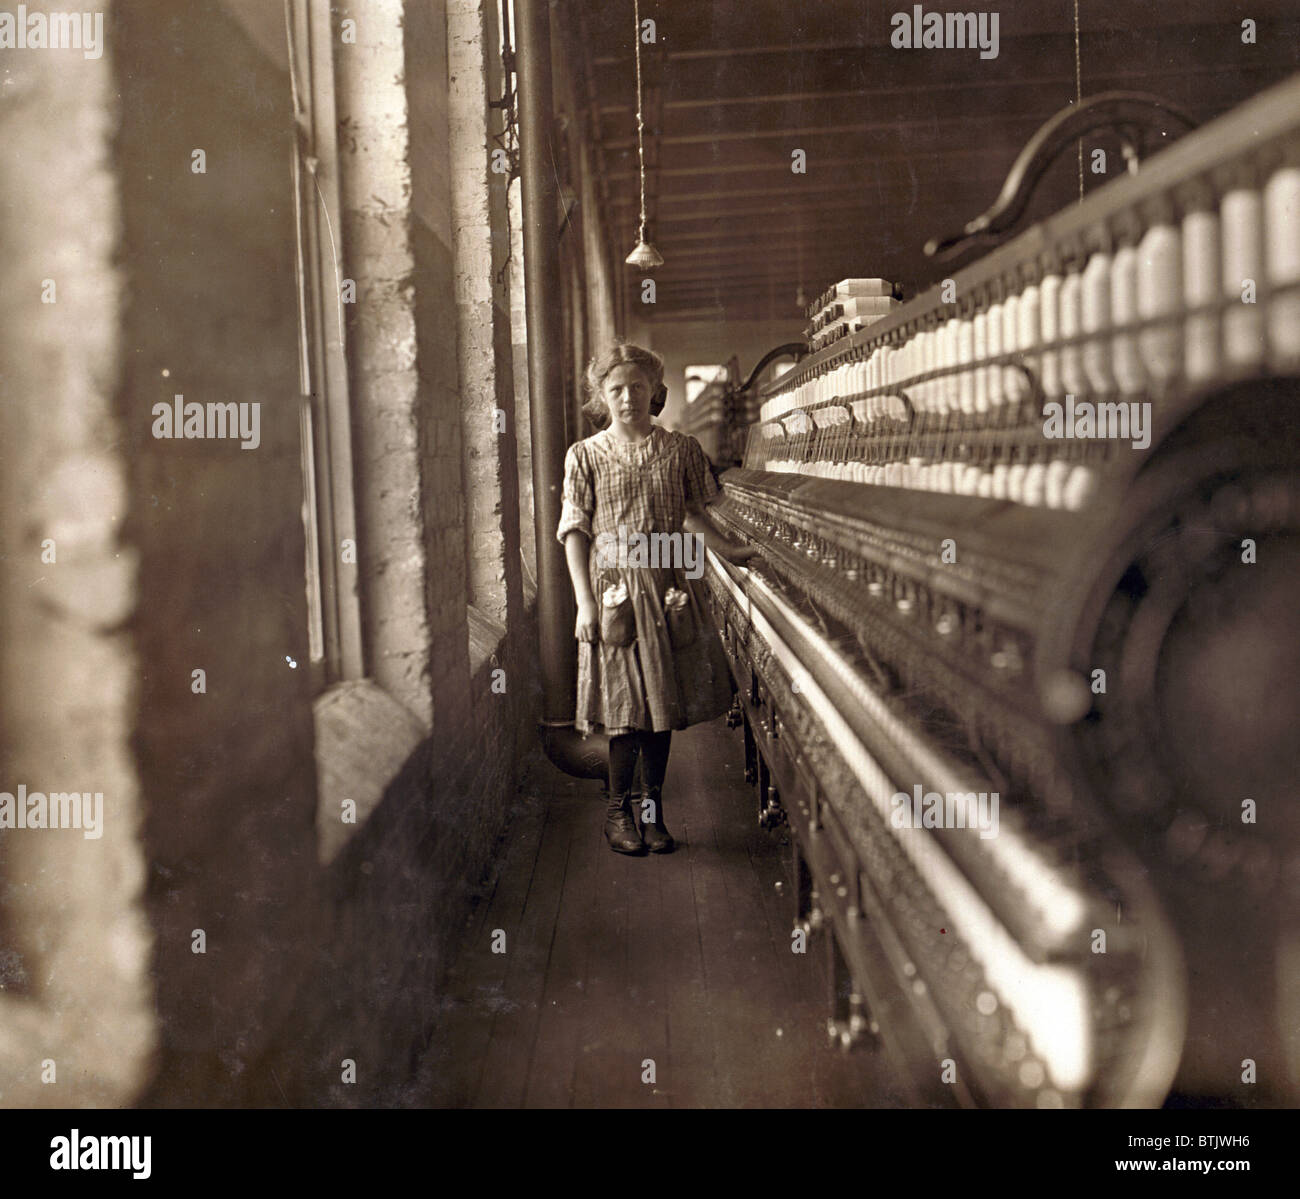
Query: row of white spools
x: 1055, y: 484
x: 1060, y: 483
x: 1222, y: 264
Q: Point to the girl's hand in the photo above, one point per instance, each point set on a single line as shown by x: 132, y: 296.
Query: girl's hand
x: 587, y: 626
x: 741, y: 554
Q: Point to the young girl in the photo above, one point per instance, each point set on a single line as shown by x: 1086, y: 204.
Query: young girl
x: 648, y: 659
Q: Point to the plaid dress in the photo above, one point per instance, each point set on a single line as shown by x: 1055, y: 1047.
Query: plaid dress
x: 667, y: 669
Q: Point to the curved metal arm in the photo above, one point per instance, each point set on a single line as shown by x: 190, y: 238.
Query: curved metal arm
x: 796, y: 349
x: 1135, y: 116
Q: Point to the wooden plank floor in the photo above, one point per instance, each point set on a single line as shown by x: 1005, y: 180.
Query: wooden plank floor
x: 683, y: 960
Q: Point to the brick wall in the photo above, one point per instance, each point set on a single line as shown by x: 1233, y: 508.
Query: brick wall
x: 406, y: 446
x: 428, y: 360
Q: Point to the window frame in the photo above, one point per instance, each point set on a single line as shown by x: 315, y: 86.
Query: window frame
x: 336, y: 639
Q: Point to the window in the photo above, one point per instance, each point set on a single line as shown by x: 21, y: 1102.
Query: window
x: 698, y: 379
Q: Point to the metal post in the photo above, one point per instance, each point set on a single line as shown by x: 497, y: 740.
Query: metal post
x: 543, y: 284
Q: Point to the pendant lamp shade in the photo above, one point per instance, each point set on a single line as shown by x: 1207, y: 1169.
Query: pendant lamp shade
x: 644, y: 256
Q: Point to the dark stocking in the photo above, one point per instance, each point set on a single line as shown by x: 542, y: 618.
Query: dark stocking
x: 620, y: 829
x: 654, y: 765
x: 654, y: 758
x: 622, y: 763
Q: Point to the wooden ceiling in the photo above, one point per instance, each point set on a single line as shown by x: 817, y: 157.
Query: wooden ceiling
x: 901, y: 145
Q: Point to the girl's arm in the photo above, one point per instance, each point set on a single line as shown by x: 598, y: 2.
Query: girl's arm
x: 577, y: 553
x: 701, y: 525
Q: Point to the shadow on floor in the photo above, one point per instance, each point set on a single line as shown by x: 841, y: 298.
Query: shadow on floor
x: 612, y: 963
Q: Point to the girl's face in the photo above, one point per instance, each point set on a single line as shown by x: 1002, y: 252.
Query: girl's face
x: 627, y: 391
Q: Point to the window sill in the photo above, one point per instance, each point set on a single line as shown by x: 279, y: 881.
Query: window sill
x: 364, y: 740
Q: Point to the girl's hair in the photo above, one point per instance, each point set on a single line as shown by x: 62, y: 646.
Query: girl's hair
x: 621, y: 353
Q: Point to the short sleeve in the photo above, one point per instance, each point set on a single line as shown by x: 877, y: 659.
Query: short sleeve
x: 579, y: 494
x: 701, y: 487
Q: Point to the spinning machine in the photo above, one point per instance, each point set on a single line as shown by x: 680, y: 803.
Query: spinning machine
x: 1032, y: 540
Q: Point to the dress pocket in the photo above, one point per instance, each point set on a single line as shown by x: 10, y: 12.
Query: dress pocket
x: 680, y: 617
x: 617, y: 620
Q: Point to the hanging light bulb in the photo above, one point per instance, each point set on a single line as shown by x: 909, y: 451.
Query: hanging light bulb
x: 644, y: 256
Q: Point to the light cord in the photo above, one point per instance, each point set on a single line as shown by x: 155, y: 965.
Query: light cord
x: 640, y: 116
x: 1078, y: 88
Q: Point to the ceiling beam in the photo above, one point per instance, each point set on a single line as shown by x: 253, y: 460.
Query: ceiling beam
x: 755, y: 277
x: 1157, y: 22
x: 774, y: 241
x: 862, y: 162
x: 786, y: 49
x: 775, y: 246
x: 742, y: 135
x: 790, y: 211
x: 723, y: 315
x: 811, y: 225
x: 999, y: 83
x: 882, y: 71
x: 811, y: 231
x: 714, y: 102
x: 780, y: 295
x: 855, y: 186
x: 814, y: 283
x: 809, y: 272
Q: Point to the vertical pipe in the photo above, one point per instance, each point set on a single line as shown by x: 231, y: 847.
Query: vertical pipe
x: 542, y: 279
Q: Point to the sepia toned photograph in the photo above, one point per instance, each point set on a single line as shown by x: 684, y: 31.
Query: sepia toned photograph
x: 650, y: 554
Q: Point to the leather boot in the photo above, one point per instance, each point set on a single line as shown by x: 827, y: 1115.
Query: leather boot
x: 620, y: 828
x: 657, y: 837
